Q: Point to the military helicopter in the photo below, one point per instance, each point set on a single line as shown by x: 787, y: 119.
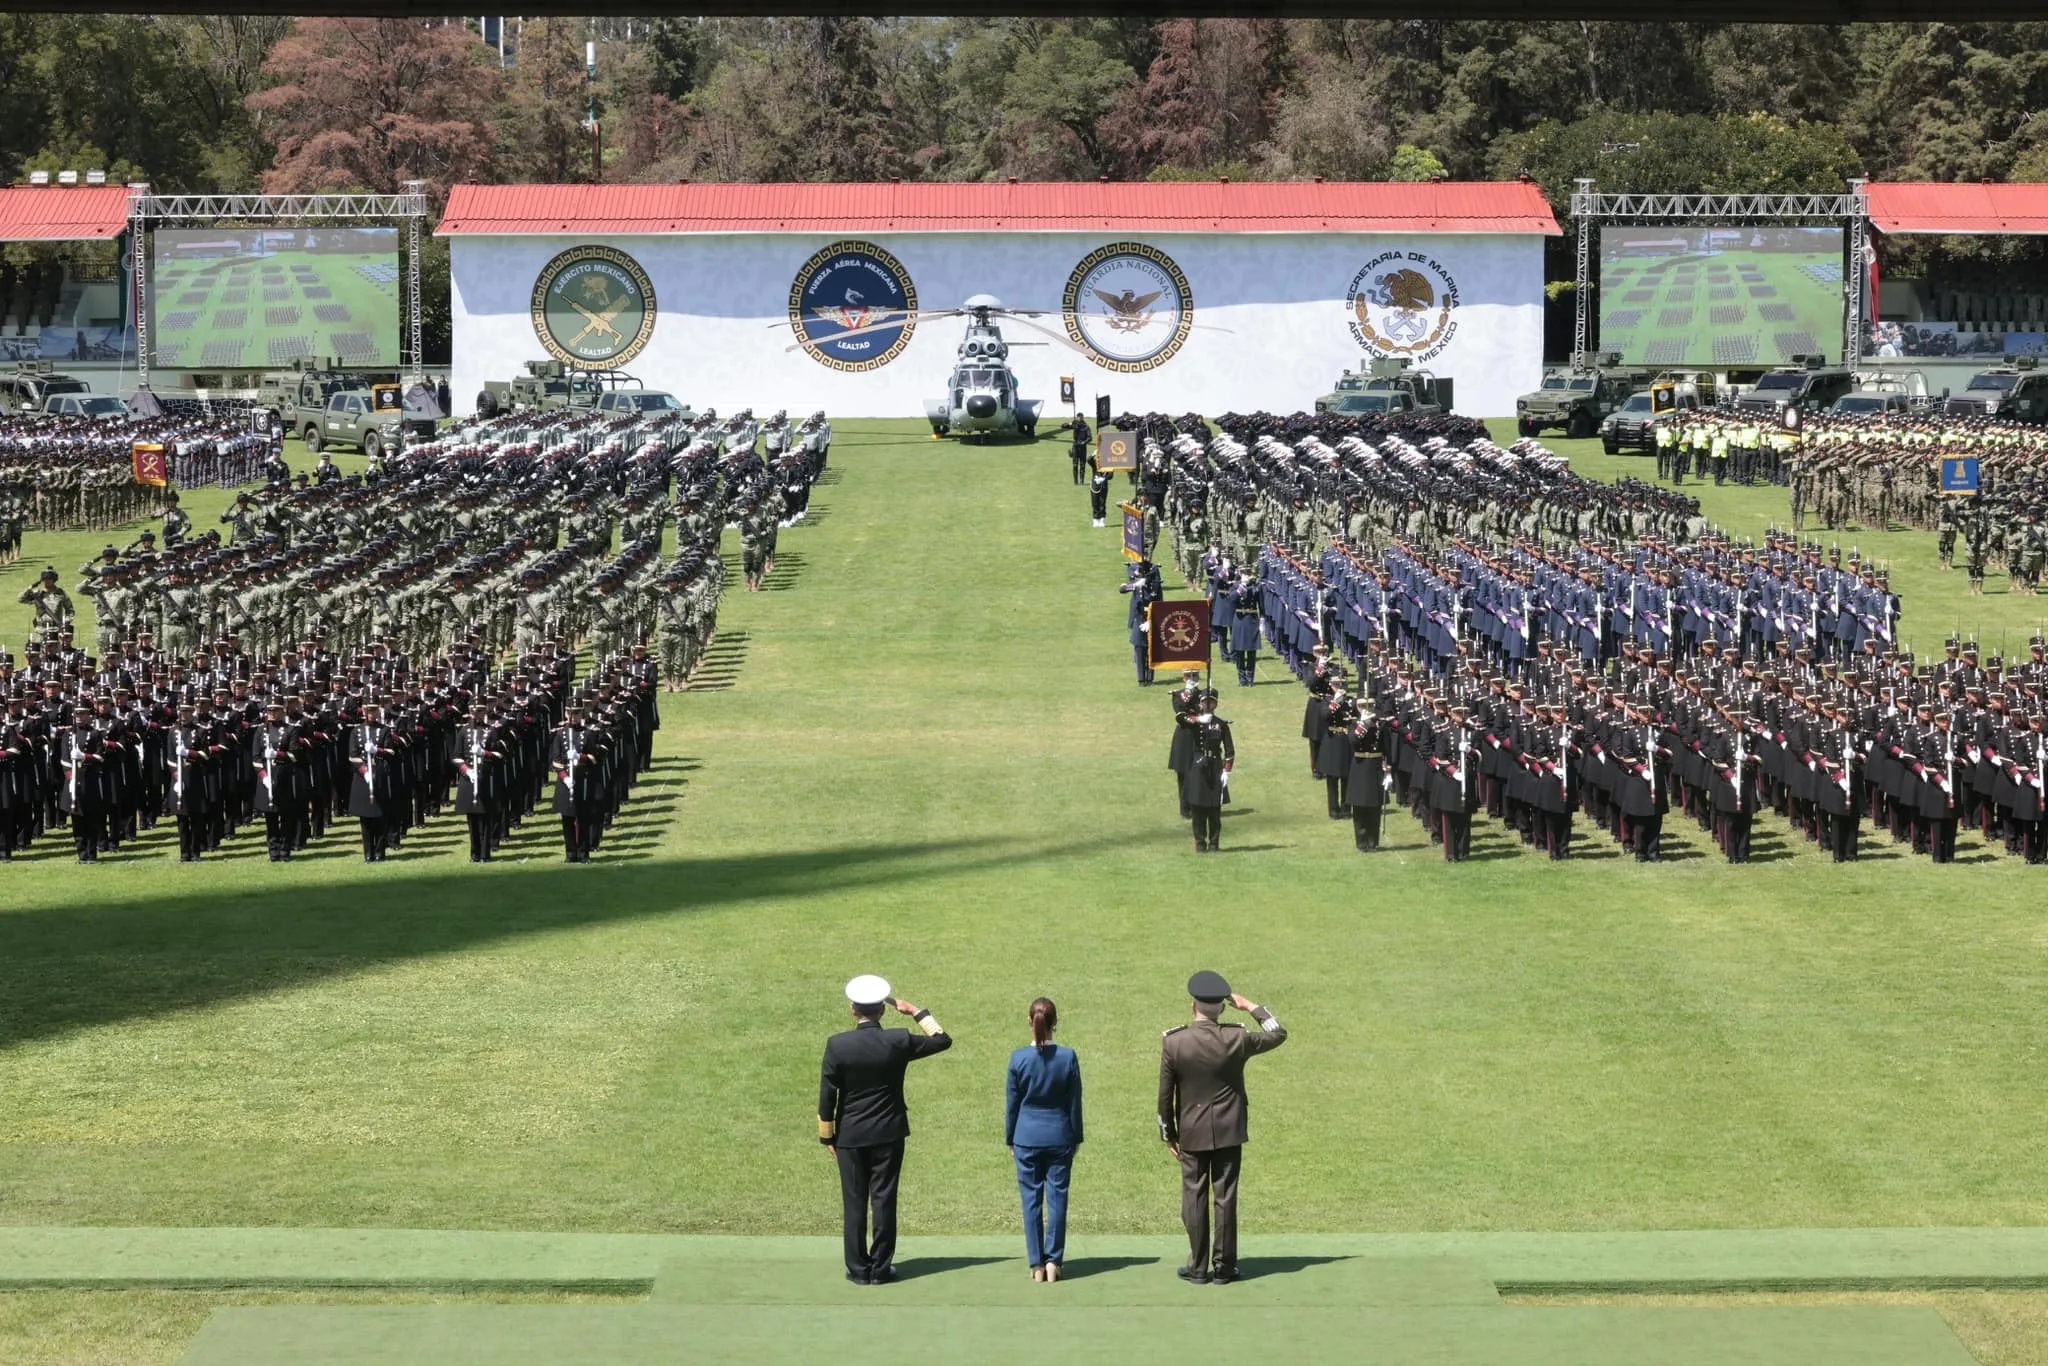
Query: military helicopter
x: 981, y: 399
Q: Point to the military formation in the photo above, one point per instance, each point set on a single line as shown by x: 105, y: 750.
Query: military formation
x: 1881, y: 470
x: 388, y: 646
x: 1726, y: 447
x: 1486, y: 636
x: 64, y: 473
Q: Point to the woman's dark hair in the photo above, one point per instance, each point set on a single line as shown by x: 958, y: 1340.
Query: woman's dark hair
x: 1045, y: 1017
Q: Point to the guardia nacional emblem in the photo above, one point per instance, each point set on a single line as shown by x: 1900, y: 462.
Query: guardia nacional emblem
x: 1129, y: 306
x: 1403, y: 303
x: 593, y: 306
x: 853, y: 306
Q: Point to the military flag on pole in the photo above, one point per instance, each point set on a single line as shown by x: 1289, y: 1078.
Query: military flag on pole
x: 1177, y: 635
x: 152, y: 464
x: 1134, y: 531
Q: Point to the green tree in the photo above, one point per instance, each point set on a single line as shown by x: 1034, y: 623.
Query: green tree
x: 1951, y: 101
x: 1410, y: 162
x: 547, y: 98
x: 1678, y: 153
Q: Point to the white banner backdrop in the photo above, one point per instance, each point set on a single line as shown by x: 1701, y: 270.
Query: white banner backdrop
x: 1275, y: 318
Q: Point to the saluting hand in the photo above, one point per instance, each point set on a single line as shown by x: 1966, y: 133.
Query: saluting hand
x: 1242, y: 1003
x: 904, y: 1007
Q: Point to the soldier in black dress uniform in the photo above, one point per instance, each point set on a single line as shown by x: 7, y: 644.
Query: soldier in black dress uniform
x: 369, y: 791
x: 1453, y: 793
x: 281, y: 782
x: 573, y: 758
x: 1333, y: 751
x: 1206, y: 784
x: 1366, y: 781
x: 1186, y: 700
x: 479, y: 783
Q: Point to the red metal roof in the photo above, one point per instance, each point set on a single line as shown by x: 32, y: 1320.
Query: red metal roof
x: 1085, y: 206
x: 2020, y: 210
x: 37, y: 213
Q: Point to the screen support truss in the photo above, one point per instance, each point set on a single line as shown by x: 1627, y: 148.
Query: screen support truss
x: 1591, y: 209
x: 147, y: 211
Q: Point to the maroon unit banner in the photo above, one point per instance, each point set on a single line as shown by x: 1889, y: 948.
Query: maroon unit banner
x: 1177, y: 635
x: 152, y: 463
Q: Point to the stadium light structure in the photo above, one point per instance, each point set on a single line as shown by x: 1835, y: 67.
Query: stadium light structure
x: 147, y: 211
x: 1592, y: 208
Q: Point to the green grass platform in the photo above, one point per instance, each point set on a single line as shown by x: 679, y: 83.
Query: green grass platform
x: 921, y: 753
x: 1673, y: 1262
x: 1323, y: 1280
x: 1198, y: 1329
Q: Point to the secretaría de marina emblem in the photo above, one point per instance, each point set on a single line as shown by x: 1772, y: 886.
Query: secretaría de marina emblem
x: 1129, y: 306
x: 1403, y: 303
x: 593, y: 306
x: 853, y: 306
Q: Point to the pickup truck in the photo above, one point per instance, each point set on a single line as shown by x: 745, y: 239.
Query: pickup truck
x: 105, y: 407
x: 352, y: 418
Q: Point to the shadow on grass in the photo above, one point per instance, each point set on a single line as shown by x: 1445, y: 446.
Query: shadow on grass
x: 917, y: 1268
x: 1257, y: 1268
x: 720, y: 667
x: 789, y: 567
x: 1081, y: 1268
x: 82, y: 967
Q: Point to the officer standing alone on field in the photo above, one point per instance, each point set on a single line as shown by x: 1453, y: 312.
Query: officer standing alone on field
x: 1203, y: 1117
x: 862, y: 1119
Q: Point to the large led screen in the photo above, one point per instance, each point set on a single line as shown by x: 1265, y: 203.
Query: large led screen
x: 1723, y: 296
x: 260, y: 298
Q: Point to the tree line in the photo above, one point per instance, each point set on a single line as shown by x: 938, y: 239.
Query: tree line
x: 237, y: 103
x: 240, y: 103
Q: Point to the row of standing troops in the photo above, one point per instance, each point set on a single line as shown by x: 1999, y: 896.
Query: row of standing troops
x: 1814, y: 714
x: 577, y: 478
x: 107, y: 753
x: 1825, y: 744
x: 59, y: 472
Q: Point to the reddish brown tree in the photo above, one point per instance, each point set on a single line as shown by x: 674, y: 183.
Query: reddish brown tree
x: 1208, y: 97
x: 362, y: 104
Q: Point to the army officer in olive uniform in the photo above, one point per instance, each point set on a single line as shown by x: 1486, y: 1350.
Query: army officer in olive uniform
x: 1202, y: 1117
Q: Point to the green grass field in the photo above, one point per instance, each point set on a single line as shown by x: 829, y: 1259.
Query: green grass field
x: 257, y: 311
x: 1742, y: 308
x: 921, y: 754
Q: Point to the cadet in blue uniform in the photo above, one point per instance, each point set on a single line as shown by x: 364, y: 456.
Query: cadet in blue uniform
x: 1143, y: 587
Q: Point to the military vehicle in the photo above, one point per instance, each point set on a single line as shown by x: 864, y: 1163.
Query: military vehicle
x: 1809, y: 384
x: 1629, y: 427
x: 635, y: 402
x: 370, y: 419
x: 1388, y: 386
x: 548, y: 384
x: 2017, y: 392
x: 104, y: 407
x: 1579, y: 397
x: 298, y: 396
x: 28, y: 387
x: 1883, y: 393
x: 981, y: 399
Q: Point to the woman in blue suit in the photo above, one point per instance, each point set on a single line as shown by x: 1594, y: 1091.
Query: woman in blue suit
x: 1042, y: 1125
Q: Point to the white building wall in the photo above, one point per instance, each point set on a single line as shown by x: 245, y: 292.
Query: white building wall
x: 1273, y: 327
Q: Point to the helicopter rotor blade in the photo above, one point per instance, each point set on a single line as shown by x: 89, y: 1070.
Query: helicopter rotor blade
x: 1059, y: 337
